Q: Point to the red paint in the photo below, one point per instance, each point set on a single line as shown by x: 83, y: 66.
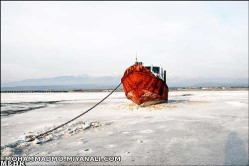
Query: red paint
x: 141, y: 85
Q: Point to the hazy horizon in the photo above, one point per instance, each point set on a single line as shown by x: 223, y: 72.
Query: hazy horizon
x: 189, y: 39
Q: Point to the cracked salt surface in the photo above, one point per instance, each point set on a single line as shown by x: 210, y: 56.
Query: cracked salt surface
x: 67, y: 130
x: 194, y: 128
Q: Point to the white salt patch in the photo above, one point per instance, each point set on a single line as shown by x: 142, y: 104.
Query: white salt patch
x: 109, y: 132
x: 7, y: 152
x: 111, y: 146
x: 70, y: 129
x: 236, y: 103
x: 134, y: 107
x: 137, y: 136
x: 43, y: 154
x: 58, y: 152
x: 148, y: 131
x: 161, y: 127
x: 76, y: 143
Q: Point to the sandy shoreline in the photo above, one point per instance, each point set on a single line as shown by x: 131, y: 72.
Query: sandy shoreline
x: 195, y: 127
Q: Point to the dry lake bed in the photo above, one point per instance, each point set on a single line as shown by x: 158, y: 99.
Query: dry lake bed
x: 194, y: 127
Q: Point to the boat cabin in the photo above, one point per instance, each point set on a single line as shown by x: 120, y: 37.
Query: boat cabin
x: 157, y: 71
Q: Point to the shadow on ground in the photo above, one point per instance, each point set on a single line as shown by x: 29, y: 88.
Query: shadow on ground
x: 176, y: 101
x: 235, y: 150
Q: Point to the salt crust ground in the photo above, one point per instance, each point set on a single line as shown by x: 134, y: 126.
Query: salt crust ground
x: 195, y: 127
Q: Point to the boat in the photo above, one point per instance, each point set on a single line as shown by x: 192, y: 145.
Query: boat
x: 145, y: 84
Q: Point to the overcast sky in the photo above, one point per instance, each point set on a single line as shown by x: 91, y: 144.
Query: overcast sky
x: 188, y: 39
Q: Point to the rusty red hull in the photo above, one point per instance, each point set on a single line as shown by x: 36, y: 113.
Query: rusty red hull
x: 142, y: 86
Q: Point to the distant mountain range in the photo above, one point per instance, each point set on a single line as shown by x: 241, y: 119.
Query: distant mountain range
x: 64, y: 83
x: 109, y: 82
x: 65, y: 80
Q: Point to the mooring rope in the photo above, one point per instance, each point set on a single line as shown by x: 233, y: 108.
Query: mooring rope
x: 49, y: 131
